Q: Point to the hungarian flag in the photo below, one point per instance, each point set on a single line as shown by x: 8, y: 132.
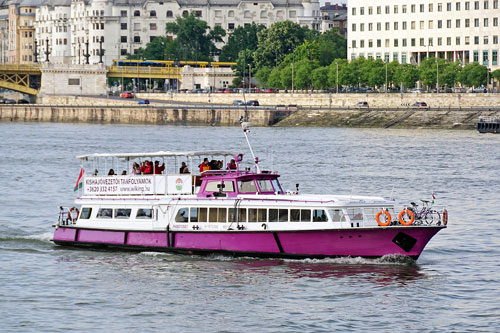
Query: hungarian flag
x: 433, y: 197
x: 79, y: 182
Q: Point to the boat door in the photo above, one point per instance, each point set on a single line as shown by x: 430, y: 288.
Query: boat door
x: 160, y: 220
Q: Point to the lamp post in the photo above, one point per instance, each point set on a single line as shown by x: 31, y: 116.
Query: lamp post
x: 249, y: 76
x: 337, y: 89
x: 437, y: 76
x: 293, y: 63
x: 386, y: 77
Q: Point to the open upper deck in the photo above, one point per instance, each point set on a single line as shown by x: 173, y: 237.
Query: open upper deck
x: 205, y: 173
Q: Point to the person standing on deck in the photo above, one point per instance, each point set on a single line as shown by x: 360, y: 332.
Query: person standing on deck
x: 205, y: 165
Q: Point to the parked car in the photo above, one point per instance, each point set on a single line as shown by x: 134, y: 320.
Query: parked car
x: 281, y: 107
x: 238, y: 102
x: 144, y: 101
x: 126, y: 95
x: 23, y: 101
x: 9, y: 101
x: 361, y: 105
x: 479, y: 90
x: 420, y: 105
x: 253, y: 103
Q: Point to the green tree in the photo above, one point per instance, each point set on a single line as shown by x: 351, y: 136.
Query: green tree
x: 339, y: 68
x: 473, y: 75
x: 331, y: 46
x: 242, y: 38
x: 276, y: 41
x: 286, y: 77
x: 262, y: 76
x: 274, y: 79
x: 194, y: 37
x: 407, y: 75
x: 320, y: 77
x: 303, y: 70
x: 496, y: 75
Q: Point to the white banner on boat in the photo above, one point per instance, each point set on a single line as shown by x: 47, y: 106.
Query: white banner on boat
x: 134, y: 185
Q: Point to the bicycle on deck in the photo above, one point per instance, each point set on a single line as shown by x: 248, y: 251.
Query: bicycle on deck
x: 420, y: 216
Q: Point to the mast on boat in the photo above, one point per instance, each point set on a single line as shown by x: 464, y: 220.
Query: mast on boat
x: 245, y: 125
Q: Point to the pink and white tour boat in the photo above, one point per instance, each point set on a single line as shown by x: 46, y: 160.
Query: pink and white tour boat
x: 232, y: 210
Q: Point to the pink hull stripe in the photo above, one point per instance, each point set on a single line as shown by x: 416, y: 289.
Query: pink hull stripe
x: 97, y: 236
x: 64, y: 234
x: 369, y: 243
x: 245, y: 242
x: 147, y: 239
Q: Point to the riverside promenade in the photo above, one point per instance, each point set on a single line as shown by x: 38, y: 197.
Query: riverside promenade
x: 458, y: 111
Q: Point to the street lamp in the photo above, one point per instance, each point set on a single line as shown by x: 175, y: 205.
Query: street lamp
x: 249, y: 76
x: 386, y: 77
x: 337, y: 89
x: 437, y: 76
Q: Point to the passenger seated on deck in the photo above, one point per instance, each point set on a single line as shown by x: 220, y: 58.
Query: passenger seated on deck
x: 183, y: 168
x: 231, y: 165
x: 159, y: 169
x: 136, y: 170
x: 96, y: 172
x: 111, y: 172
x: 124, y: 172
x: 148, y: 168
x: 205, y: 165
x: 214, y: 165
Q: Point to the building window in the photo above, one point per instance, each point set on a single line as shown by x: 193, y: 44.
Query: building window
x: 387, y: 26
x: 137, y: 39
x: 353, y: 43
x: 476, y: 22
x: 123, y: 52
x: 73, y: 82
x: 395, y: 10
x: 152, y: 26
x: 370, y: 26
x: 448, y: 7
x: 494, y: 57
x: 395, y: 25
x: 379, y: 43
x: 485, y: 40
x: 457, y: 41
x: 394, y: 56
x: 413, y: 42
x: 137, y: 27
x: 387, y: 42
x: 467, y: 40
x: 476, y: 56
x: 379, y: 10
x: 448, y: 24
x: 448, y: 40
x: 457, y: 6
x: 230, y: 26
x: 412, y: 8
x: 412, y: 25
x: 422, y: 42
x: 485, y: 22
x: 457, y: 23
x: 386, y: 57
x: 151, y: 38
x: 476, y: 40
x: 123, y: 39
x: 379, y: 26
x: 197, y: 13
x: 293, y: 14
x: 486, y: 5
x: 431, y: 8
x: 431, y: 23
x: 169, y: 13
x: 396, y: 42
x: 495, y: 4
x: 495, y: 39
x: 123, y: 13
x: 467, y: 5
x: 421, y: 25
x: 495, y: 21
x: 353, y: 11
x: 137, y: 13
x: 387, y: 9
x: 440, y: 7
x: 370, y: 43
x: 485, y: 58
x: 403, y: 9
x: 362, y: 43
x: 405, y: 44
x: 152, y: 13
x: 440, y: 24
x: 123, y: 26
x: 403, y: 58
x: 440, y: 41
x: 467, y: 23
x: 476, y: 5
x: 370, y: 10
x: 353, y: 27
x: 185, y: 13
x: 361, y: 10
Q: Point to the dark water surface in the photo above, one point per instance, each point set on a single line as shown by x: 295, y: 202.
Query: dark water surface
x: 454, y: 286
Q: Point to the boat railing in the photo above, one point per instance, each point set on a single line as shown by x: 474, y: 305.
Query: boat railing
x: 135, y: 185
x: 67, y: 216
x: 489, y: 119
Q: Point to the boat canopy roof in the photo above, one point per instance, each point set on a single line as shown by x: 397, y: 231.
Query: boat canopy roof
x: 128, y: 156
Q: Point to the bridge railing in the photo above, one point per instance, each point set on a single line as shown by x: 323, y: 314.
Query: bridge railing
x: 20, y: 67
x: 145, y: 71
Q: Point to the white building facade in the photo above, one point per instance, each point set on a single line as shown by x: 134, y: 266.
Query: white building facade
x: 73, y: 28
x: 409, y: 31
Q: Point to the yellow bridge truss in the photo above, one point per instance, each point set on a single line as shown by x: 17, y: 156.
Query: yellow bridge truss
x: 24, y: 78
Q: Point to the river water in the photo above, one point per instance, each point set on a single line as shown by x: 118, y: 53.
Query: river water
x: 454, y: 286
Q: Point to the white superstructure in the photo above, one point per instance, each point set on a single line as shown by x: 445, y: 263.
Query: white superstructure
x: 409, y: 31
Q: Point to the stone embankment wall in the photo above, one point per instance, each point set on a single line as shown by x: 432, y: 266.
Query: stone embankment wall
x: 70, y: 109
x: 376, y: 100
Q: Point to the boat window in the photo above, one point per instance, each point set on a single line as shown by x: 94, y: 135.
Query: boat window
x: 305, y: 215
x: 265, y: 185
x: 86, y: 212
x: 247, y: 186
x: 277, y: 186
x: 273, y: 215
x: 221, y: 216
x: 242, y: 214
x: 294, y: 215
x: 355, y: 214
x: 122, y: 213
x: 335, y: 215
x: 144, y: 213
x: 212, y: 186
x: 319, y: 215
x: 262, y: 215
x: 212, y: 215
x: 283, y: 215
x: 194, y: 215
x: 252, y: 214
x: 231, y: 215
x: 202, y: 214
x: 182, y: 215
x: 105, y: 213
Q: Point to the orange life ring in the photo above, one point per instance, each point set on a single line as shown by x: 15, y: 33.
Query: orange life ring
x: 387, y: 222
x: 445, y: 217
x: 70, y: 213
x: 409, y: 212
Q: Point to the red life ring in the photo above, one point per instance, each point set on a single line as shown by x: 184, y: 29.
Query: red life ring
x: 387, y: 221
x: 445, y: 217
x: 410, y: 213
x: 72, y: 211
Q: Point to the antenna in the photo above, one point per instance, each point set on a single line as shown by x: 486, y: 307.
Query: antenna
x: 245, y: 125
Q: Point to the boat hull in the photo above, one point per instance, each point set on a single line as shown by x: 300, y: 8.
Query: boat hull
x: 360, y: 242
